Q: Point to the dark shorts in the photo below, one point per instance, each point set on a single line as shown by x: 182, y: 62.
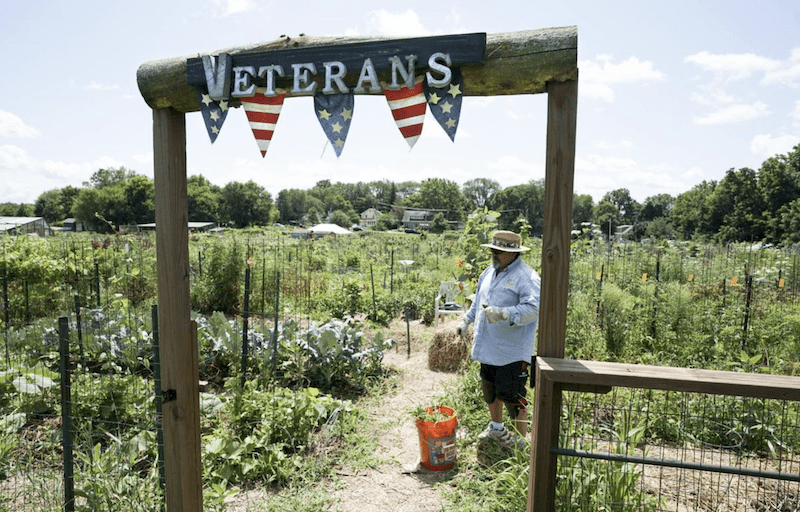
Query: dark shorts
x: 505, y: 382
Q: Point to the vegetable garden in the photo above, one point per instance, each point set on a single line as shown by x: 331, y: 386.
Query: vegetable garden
x: 279, y: 399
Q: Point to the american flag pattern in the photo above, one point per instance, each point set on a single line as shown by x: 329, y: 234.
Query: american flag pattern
x: 445, y: 103
x: 214, y: 112
x: 262, y: 114
x: 335, y: 112
x: 408, y: 109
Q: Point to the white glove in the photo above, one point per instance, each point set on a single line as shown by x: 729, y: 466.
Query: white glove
x: 495, y: 313
x: 461, y: 330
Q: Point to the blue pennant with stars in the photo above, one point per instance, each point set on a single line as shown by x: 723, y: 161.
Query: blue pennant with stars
x: 445, y: 103
x: 335, y: 112
x: 214, y: 112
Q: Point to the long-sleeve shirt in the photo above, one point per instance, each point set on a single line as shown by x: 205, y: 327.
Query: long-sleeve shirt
x: 517, y: 288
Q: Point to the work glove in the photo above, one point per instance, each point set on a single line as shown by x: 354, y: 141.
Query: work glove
x: 461, y: 330
x: 495, y: 313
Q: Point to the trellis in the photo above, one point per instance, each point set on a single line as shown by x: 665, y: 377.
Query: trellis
x: 526, y: 62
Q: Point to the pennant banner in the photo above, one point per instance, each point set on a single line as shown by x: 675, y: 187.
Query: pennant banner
x: 214, y: 112
x: 408, y: 109
x: 445, y: 103
x: 262, y: 114
x: 335, y: 112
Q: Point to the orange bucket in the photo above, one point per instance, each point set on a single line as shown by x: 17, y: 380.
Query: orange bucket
x: 437, y: 440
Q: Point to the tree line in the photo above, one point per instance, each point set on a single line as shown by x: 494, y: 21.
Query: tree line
x: 745, y: 205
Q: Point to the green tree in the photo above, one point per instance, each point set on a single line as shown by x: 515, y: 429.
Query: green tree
x: 690, y: 214
x: 386, y: 222
x: 736, y: 208
x: 582, y: 209
x: 439, y: 223
x: 203, y: 199
x: 520, y: 200
x: 246, y: 204
x: 55, y: 205
x: 340, y: 218
x: 478, y: 191
x: 140, y: 200
x: 779, y: 185
x: 442, y: 195
x: 291, y: 205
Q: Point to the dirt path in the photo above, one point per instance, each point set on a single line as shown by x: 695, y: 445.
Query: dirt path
x: 400, y: 485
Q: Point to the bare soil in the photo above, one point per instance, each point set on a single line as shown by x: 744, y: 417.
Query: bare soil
x: 401, y: 484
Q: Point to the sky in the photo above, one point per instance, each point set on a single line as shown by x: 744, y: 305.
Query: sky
x: 670, y: 93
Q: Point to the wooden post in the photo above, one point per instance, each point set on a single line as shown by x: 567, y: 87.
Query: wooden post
x: 562, y: 109
x: 179, y: 365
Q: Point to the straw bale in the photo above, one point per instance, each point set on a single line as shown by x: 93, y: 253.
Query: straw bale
x: 447, y: 351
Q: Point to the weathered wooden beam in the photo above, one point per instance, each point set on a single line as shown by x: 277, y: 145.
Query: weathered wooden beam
x: 689, y: 380
x: 514, y: 63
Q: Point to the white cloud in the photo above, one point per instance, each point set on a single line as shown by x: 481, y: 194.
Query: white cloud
x: 96, y: 86
x: 732, y: 66
x: 787, y: 74
x: 796, y: 112
x: 610, y: 145
x: 599, y: 76
x: 224, y: 8
x: 388, y: 23
x: 767, y: 146
x: 12, y: 126
x: 42, y: 175
x: 730, y: 114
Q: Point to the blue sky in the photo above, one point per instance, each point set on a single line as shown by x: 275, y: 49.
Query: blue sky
x: 670, y: 94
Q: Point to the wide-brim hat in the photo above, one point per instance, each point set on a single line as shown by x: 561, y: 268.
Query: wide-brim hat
x: 506, y: 241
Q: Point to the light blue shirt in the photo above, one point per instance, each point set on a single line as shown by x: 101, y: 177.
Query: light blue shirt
x: 516, y: 288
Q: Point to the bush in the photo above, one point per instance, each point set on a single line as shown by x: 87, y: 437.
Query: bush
x: 218, y: 288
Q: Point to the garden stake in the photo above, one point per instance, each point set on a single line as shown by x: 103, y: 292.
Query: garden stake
x: 245, y: 315
x: 162, y: 476
x: 66, y: 414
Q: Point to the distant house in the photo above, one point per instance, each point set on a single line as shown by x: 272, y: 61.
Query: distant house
x: 369, y: 217
x: 25, y: 225
x: 71, y: 224
x: 414, y: 219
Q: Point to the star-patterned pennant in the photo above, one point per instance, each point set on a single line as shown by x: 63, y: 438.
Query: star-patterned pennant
x: 408, y: 109
x: 214, y: 112
x: 335, y: 112
x: 445, y: 103
x: 262, y: 114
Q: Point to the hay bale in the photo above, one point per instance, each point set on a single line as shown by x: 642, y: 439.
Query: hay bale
x: 447, y: 351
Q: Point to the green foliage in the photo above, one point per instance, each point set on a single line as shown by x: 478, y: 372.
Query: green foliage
x: 218, y: 289
x: 256, y: 433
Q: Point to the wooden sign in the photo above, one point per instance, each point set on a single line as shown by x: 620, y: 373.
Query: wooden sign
x: 360, y: 68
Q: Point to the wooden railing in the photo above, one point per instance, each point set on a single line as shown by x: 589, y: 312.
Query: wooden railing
x: 554, y: 375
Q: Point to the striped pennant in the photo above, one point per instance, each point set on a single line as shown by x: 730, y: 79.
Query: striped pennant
x: 408, y: 109
x: 262, y: 114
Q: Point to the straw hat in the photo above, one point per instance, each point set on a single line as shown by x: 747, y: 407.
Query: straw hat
x: 506, y: 241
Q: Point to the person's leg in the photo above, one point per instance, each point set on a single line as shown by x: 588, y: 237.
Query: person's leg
x: 496, y: 410
x: 521, y: 422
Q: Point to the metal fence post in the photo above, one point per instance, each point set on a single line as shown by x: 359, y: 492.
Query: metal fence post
x: 245, y: 315
x: 66, y: 414
x: 162, y: 478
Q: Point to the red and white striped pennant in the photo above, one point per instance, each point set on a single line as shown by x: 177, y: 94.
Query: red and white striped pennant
x: 408, y: 109
x: 262, y: 114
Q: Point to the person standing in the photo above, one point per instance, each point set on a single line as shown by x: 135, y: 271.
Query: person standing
x: 506, y: 314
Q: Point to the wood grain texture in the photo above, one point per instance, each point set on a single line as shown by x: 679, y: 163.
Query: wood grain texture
x: 179, y: 358
x: 559, y: 176
x: 515, y: 63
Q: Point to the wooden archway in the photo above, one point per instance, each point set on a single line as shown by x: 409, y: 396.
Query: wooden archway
x: 525, y: 62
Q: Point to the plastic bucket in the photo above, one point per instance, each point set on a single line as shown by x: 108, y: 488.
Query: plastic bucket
x: 437, y: 440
